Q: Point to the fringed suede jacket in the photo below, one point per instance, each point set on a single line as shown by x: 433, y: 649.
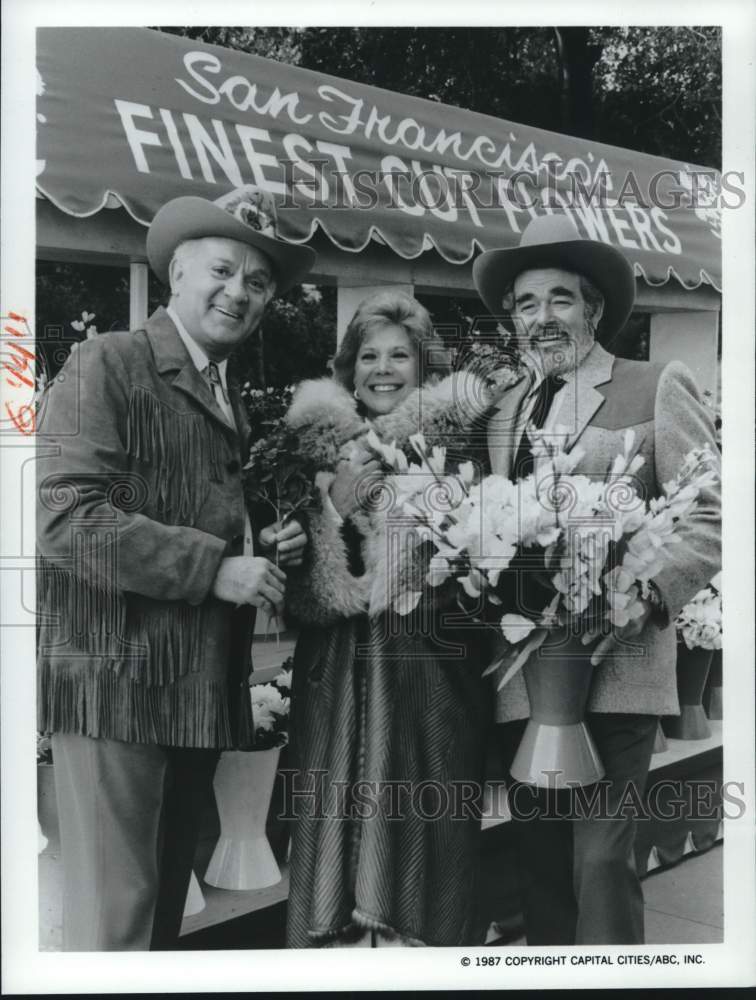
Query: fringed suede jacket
x: 140, y: 498
x: 333, y: 584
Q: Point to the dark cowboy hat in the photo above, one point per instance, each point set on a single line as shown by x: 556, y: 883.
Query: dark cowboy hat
x: 246, y: 214
x: 554, y: 241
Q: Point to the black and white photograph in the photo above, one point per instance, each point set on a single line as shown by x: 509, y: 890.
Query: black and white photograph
x: 371, y: 398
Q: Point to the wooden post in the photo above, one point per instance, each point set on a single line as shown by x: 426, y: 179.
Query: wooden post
x: 138, y: 277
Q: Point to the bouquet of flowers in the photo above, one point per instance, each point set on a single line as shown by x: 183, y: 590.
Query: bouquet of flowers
x: 265, y: 406
x: 493, y: 357
x: 277, y: 473
x: 700, y: 621
x: 270, y: 709
x: 591, y: 547
x: 414, y: 504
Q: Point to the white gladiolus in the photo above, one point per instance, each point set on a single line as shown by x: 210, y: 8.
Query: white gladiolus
x: 516, y: 628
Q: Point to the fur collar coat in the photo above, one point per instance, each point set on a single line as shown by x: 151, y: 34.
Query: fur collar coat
x: 449, y: 412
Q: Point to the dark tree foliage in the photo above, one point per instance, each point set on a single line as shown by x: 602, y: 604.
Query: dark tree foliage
x: 64, y: 291
x: 657, y: 90
x: 273, y: 43
x: 503, y: 72
x: 296, y: 339
x: 660, y: 90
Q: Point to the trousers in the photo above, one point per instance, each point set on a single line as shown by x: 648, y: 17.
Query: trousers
x: 129, y: 821
x: 575, y: 848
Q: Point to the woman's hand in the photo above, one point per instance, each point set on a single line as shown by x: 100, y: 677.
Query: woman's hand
x: 352, y: 480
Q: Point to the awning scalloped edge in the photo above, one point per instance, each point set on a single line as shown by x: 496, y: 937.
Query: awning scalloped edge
x: 427, y: 242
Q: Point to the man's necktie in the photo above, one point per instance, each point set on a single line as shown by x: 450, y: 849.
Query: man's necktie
x: 542, y: 400
x: 213, y: 377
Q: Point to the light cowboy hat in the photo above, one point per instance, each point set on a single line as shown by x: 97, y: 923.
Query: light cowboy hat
x: 554, y: 241
x: 246, y: 214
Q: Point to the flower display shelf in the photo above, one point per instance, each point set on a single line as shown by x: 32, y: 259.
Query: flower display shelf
x: 260, y: 908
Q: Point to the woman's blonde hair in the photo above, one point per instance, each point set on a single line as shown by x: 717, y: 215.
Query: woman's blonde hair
x: 391, y: 308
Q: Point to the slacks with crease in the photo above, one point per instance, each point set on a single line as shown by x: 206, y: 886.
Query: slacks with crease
x: 129, y: 820
x: 579, y: 881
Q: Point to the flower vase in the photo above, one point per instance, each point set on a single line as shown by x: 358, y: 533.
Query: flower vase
x: 557, y: 750
x: 243, y: 786
x: 713, y: 699
x: 195, y: 901
x: 692, y: 670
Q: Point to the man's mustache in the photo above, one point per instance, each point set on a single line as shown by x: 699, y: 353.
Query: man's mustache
x: 549, y: 329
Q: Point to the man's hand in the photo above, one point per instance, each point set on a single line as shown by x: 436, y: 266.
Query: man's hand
x: 614, y: 641
x: 289, y: 542
x: 250, y: 580
x: 351, y: 480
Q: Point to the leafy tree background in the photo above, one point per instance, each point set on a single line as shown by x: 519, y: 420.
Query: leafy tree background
x: 657, y: 90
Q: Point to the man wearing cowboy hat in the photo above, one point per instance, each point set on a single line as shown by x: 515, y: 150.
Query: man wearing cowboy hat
x: 579, y: 879
x: 148, y: 576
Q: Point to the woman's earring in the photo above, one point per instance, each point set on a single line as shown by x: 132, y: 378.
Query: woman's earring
x: 356, y: 395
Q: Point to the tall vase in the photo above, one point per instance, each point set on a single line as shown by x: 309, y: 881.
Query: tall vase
x: 195, y: 901
x: 713, y: 698
x: 557, y: 750
x: 692, y: 670
x: 243, y: 786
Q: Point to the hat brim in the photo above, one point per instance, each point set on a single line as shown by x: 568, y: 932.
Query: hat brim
x: 605, y: 267
x: 191, y: 218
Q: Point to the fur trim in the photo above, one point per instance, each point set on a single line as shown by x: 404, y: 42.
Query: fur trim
x: 324, y: 591
x: 444, y: 412
x: 325, y: 413
x: 326, y: 417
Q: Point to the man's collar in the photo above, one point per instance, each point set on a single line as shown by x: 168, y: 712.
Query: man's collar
x: 198, y: 356
x: 595, y: 368
x: 167, y: 346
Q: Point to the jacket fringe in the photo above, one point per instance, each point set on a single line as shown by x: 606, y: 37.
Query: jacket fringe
x: 94, y: 616
x: 150, y: 644
x: 183, y: 449
x: 93, y: 702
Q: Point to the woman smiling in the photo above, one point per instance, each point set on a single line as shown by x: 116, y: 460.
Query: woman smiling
x: 389, y: 714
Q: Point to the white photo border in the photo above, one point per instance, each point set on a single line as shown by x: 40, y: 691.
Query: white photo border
x: 25, y: 968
